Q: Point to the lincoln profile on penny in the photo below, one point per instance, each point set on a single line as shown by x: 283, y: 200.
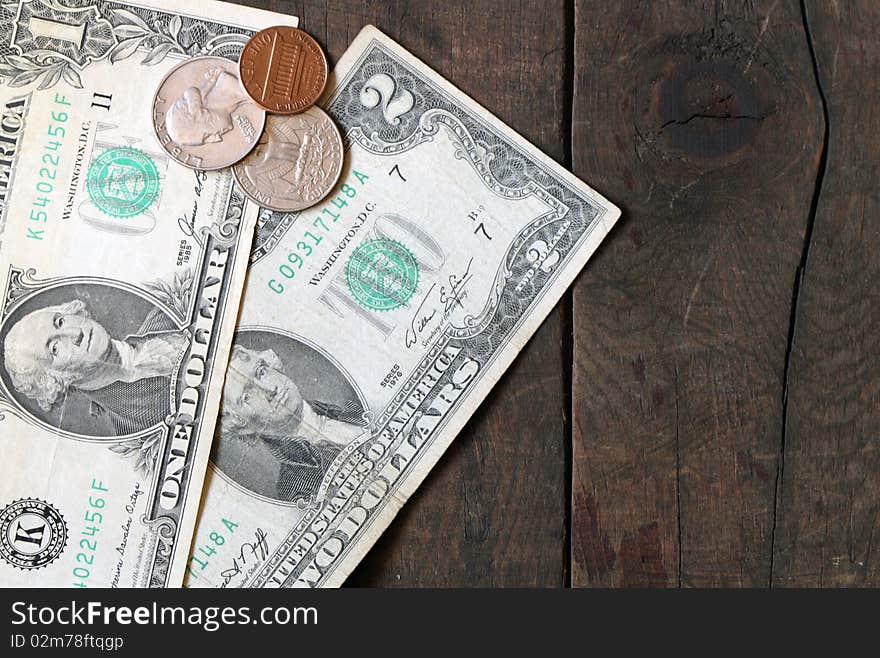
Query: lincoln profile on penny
x: 203, y: 114
x: 101, y: 385
x: 261, y: 404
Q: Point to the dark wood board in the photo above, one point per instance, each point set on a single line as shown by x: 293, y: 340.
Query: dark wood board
x: 701, y: 120
x: 829, y: 503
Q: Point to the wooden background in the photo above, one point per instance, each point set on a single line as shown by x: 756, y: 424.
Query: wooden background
x: 703, y: 407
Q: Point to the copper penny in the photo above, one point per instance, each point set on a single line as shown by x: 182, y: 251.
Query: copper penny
x: 283, y: 69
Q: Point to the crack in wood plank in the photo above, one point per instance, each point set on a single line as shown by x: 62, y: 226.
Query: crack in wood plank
x: 798, y: 280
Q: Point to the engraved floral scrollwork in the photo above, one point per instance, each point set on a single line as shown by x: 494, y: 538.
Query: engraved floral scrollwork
x: 20, y: 283
x: 165, y: 529
x: 167, y: 34
x: 144, y: 450
x: 225, y: 231
x: 96, y: 32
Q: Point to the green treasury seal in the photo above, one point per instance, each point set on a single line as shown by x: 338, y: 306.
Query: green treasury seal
x: 382, y: 274
x: 123, y: 182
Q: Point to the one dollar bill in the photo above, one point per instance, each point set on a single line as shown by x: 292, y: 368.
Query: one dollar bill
x: 374, y: 324
x: 121, y: 274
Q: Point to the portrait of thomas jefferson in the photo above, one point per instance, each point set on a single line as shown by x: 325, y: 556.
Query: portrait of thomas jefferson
x: 274, y: 438
x: 286, y: 160
x: 76, y: 374
x: 203, y: 114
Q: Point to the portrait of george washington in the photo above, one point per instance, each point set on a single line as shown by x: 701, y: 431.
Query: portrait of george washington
x: 97, y: 361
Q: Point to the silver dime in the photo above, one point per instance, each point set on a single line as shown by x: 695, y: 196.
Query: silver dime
x: 296, y: 163
x: 202, y: 116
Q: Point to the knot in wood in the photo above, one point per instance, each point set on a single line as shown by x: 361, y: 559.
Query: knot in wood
x: 706, y: 110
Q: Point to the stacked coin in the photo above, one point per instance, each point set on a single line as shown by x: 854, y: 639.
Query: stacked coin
x: 259, y: 116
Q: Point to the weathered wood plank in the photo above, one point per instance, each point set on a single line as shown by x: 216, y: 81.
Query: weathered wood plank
x: 830, y: 486
x: 493, y: 511
x: 702, y: 120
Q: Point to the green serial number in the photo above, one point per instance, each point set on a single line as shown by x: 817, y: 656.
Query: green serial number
x: 202, y: 555
x: 88, y: 542
x: 45, y: 185
x: 320, y: 227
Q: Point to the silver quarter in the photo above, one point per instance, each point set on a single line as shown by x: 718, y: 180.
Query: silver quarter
x: 202, y: 116
x: 296, y: 163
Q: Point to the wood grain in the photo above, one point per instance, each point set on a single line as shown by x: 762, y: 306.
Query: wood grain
x: 493, y: 511
x: 702, y: 120
x: 829, y: 504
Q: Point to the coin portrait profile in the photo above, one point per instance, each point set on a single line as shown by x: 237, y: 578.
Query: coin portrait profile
x: 202, y: 117
x: 203, y: 114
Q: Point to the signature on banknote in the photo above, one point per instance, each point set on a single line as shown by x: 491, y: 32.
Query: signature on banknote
x: 188, y: 223
x: 449, y: 297
x: 257, y: 549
